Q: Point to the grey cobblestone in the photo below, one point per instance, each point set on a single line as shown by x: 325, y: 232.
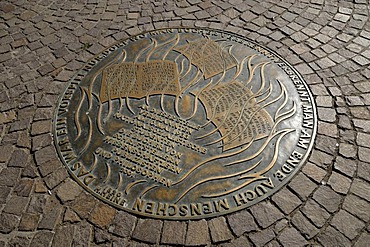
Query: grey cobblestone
x: 43, y: 44
x: 173, y: 233
x: 291, y: 237
x: 261, y: 238
x: 302, y: 185
x: 219, y: 230
x: 286, y: 200
x: 339, y: 183
x: 360, y: 188
x: 326, y: 197
x: 332, y: 237
x: 197, y: 233
x: 304, y: 225
x: 266, y: 214
x: 8, y: 222
x: 315, y: 213
x: 242, y: 222
x: 16, y: 205
x: 148, y: 230
x: 340, y: 221
x: 363, y: 240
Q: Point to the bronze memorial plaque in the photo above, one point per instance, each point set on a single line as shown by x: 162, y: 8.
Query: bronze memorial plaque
x: 185, y: 123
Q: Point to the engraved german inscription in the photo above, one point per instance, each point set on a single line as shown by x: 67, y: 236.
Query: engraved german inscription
x: 183, y: 123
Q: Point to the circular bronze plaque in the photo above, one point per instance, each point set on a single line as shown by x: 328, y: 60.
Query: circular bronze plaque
x: 185, y: 124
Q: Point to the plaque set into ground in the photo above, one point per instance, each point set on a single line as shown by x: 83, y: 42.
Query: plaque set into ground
x: 185, y: 123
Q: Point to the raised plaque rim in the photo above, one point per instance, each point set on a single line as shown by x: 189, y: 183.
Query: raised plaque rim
x: 277, y: 188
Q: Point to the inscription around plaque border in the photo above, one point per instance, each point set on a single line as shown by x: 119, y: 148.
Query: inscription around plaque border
x: 184, y: 123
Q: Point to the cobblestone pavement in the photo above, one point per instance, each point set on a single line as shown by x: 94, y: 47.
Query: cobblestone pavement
x: 45, y: 42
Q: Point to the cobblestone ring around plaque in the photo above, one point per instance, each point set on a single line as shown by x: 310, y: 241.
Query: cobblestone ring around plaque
x: 185, y: 124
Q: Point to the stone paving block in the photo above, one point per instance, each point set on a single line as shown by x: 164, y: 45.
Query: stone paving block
x: 363, y: 154
x: 29, y: 222
x: 354, y: 101
x: 261, y: 238
x: 70, y: 216
x: 364, y: 170
x: 63, y: 235
x: 327, y: 198
x: 40, y: 187
x: 304, y: 225
x: 19, y: 158
x: 347, y: 150
x: 320, y: 158
x: 9, y: 176
x: 346, y: 166
x: 219, y: 230
x: 248, y: 16
x: 332, y: 237
x: 302, y: 185
x: 19, y: 241
x: 102, y: 236
x: 304, y: 69
x: 326, y: 143
x: 328, y: 129
x: 41, y: 141
x: 49, y: 166
x: 82, y: 235
x: 122, y: 224
x: 24, y: 187
x: 320, y: 54
x: 40, y: 127
x: 360, y: 112
x: 42, y: 238
x: 286, y: 200
x: 241, y: 222
x: 197, y: 233
x: 45, y: 69
x: 344, y: 122
x: 4, y: 193
x: 324, y: 101
x: 361, y: 189
x: 266, y: 214
x: 8, y: 222
x: 173, y: 232
x: 24, y: 140
x: 120, y: 242
x: 148, y: 230
x: 339, y: 183
x: 326, y: 114
x: 102, y: 215
x: 315, y: 213
x: 6, y: 152
x: 362, y: 125
x: 37, y: 204
x: 239, y: 242
x: 291, y: 237
x: 50, y: 218
x: 363, y: 240
x: 347, y: 224
x: 45, y: 154
x: 314, y: 172
x: 16, y: 205
x: 56, y: 177
x: 68, y: 190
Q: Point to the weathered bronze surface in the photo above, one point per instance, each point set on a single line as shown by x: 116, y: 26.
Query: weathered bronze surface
x: 185, y: 124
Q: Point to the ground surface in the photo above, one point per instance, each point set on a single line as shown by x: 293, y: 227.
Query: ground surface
x: 43, y: 43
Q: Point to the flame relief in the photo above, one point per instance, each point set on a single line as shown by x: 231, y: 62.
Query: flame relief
x: 237, y: 112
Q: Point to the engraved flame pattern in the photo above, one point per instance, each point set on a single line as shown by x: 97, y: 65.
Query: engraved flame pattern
x: 190, y: 74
